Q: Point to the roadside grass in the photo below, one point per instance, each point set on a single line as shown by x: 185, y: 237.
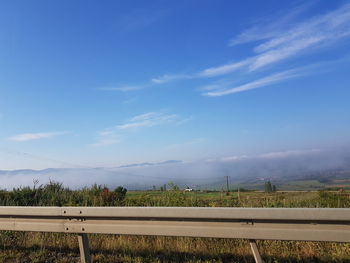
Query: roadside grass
x: 23, y: 247
x: 48, y: 247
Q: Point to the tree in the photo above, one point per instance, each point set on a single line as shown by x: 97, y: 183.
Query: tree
x: 274, y: 189
x: 268, y: 187
x: 173, y: 186
x: 120, y: 193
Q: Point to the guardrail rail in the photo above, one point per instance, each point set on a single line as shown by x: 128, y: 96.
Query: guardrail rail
x: 302, y: 224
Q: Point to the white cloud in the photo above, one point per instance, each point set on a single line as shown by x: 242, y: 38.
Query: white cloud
x: 266, y: 27
x: 234, y: 158
x: 106, y: 141
x: 167, y: 78
x: 185, y: 120
x: 282, y: 41
x: 285, y: 154
x: 222, y: 83
x: 115, y: 134
x: 206, y: 73
x: 124, y: 88
x: 318, y: 31
x: 284, y: 52
x: 224, y: 86
x: 107, y: 137
x: 329, y: 26
x: 148, y: 120
x: 283, y: 44
x: 268, y: 155
x: 225, y: 69
x: 34, y: 136
x: 269, y: 80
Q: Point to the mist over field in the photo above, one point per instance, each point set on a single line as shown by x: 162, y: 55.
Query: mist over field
x: 286, y: 165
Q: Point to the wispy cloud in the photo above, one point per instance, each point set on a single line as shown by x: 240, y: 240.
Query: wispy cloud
x: 282, y: 41
x: 278, y: 42
x: 266, y: 27
x: 269, y: 80
x: 107, y: 137
x: 34, y: 136
x: 168, y: 77
x: 332, y: 25
x: 149, y: 119
x: 319, y: 31
x: 206, y: 73
x: 225, y: 69
x: 289, y: 153
x: 119, y: 132
x: 268, y: 155
x: 184, y: 120
x: 220, y: 84
x: 230, y: 86
x: 284, y: 52
x: 123, y: 88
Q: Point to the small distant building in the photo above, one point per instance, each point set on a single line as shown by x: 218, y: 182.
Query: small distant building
x: 188, y: 189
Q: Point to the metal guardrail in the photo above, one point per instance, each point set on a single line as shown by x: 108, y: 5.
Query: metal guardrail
x: 303, y: 224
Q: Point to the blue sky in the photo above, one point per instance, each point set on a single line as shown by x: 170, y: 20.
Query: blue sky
x: 91, y: 83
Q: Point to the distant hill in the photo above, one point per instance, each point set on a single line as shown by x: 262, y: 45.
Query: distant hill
x: 149, y: 164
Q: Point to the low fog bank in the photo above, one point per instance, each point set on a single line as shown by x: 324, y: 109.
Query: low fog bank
x: 287, y: 165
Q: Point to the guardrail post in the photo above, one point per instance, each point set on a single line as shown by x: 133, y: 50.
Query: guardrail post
x: 84, y: 248
x: 255, y: 251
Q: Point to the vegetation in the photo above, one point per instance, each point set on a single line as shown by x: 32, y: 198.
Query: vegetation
x: 55, y: 247
x: 54, y: 194
x: 270, y: 187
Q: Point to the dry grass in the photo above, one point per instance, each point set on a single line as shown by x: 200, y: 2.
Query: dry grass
x: 48, y: 247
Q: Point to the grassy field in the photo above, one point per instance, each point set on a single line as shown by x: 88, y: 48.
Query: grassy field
x: 53, y: 247
x: 242, y: 199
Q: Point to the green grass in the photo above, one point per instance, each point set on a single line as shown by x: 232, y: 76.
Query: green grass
x: 245, y: 199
